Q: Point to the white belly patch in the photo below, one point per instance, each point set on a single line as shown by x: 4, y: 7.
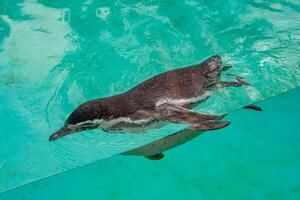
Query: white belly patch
x: 122, y: 124
x: 126, y: 124
x: 182, y: 102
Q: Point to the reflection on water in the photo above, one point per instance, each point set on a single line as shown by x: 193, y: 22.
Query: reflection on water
x: 55, y: 55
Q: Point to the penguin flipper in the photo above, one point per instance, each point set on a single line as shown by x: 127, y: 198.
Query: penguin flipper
x: 199, y: 121
x: 157, y: 156
x: 180, y: 115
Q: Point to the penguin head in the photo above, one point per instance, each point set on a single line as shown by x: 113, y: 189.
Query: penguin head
x: 87, y: 116
x: 68, y: 129
x: 61, y: 133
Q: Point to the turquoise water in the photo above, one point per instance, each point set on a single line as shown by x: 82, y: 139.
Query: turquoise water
x: 55, y: 55
x: 257, y: 157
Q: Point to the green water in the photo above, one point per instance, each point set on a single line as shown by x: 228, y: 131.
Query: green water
x: 55, y: 55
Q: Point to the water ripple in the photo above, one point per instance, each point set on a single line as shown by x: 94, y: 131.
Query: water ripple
x: 56, y: 55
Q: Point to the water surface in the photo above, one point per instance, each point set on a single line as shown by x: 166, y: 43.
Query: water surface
x: 55, y: 55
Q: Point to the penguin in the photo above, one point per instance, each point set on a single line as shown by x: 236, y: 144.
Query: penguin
x: 165, y: 98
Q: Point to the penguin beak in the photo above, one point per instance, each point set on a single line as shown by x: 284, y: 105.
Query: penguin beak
x: 61, y: 133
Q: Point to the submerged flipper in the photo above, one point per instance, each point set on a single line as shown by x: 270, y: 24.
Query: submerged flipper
x: 199, y: 121
x: 253, y: 107
x: 156, y: 156
x: 178, y: 114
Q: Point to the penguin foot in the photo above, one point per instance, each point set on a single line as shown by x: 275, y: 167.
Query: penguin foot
x: 224, y: 68
x: 240, y: 82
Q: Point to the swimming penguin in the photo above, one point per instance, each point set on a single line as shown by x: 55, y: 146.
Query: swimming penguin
x: 167, y: 97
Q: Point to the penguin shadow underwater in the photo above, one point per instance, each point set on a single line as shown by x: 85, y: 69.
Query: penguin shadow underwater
x: 164, y: 98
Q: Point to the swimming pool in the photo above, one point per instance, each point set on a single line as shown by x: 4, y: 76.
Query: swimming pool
x: 56, y: 55
x: 257, y: 157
